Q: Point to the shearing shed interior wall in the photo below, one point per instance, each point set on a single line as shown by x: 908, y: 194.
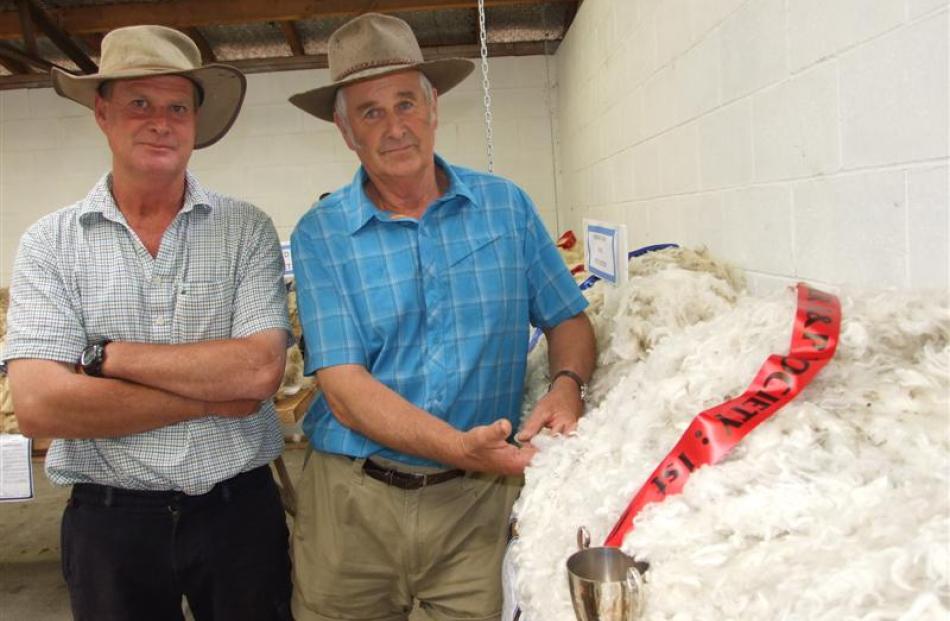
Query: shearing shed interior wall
x: 279, y: 158
x: 798, y: 139
x: 804, y: 139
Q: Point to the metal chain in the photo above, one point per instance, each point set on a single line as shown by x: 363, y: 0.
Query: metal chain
x: 486, y: 87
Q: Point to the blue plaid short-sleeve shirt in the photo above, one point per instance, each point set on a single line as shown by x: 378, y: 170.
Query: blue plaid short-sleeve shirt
x: 437, y: 309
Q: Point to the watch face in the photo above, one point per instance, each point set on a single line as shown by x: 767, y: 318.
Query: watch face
x: 89, y: 355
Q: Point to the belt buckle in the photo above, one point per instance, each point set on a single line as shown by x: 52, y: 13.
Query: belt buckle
x: 415, y: 480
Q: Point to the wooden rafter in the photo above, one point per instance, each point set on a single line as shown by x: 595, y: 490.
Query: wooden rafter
x: 292, y: 37
x: 60, y: 38
x: 10, y: 53
x: 26, y: 26
x: 476, y: 29
x: 196, y: 13
x: 569, y: 16
x: 207, y: 53
x: 319, y: 61
x: 14, y: 67
x: 93, y: 41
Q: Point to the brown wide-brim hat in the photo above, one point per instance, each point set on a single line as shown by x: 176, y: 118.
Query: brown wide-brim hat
x: 371, y: 46
x: 151, y: 51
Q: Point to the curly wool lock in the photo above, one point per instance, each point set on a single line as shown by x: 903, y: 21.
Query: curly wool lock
x: 836, y: 508
x: 629, y: 322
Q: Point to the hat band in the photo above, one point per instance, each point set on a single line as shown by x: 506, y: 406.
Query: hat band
x: 373, y: 64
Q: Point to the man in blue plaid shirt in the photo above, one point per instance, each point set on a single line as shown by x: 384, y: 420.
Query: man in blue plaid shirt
x: 147, y: 332
x: 416, y: 285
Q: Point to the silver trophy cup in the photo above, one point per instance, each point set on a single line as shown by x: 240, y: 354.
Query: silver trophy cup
x: 605, y: 583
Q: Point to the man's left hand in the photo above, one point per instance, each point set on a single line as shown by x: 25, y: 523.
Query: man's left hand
x: 558, y: 411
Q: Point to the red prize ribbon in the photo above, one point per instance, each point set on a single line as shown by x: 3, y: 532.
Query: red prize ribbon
x: 713, y: 433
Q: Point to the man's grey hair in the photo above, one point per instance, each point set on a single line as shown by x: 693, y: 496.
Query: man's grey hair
x: 339, y: 103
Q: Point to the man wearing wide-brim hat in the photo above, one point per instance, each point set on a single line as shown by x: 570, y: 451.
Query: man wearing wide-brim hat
x: 147, y: 330
x: 416, y: 285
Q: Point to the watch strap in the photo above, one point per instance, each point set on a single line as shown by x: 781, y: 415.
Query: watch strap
x: 581, y: 384
x: 94, y: 367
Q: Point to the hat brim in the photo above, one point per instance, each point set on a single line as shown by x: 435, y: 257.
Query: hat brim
x: 444, y: 74
x: 223, y: 88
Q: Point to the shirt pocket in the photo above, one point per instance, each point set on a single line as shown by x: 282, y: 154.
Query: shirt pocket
x: 203, y: 311
x: 494, y: 262
x: 463, y: 255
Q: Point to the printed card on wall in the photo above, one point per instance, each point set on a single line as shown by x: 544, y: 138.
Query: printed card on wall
x: 288, y: 260
x: 16, y: 471
x: 605, y: 249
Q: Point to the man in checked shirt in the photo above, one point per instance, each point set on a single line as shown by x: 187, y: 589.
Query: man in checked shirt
x: 415, y: 285
x: 147, y: 330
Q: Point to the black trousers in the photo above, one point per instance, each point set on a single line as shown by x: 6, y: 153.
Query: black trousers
x: 131, y: 555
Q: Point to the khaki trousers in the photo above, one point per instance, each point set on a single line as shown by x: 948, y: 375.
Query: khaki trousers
x: 364, y: 550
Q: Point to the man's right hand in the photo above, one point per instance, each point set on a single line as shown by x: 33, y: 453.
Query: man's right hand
x: 239, y: 408
x: 486, y: 449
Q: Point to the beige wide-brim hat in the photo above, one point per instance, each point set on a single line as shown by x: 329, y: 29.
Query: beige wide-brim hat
x: 370, y: 46
x: 150, y: 51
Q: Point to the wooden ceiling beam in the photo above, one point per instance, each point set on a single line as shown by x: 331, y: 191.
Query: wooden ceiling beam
x: 292, y: 37
x: 319, y: 61
x: 93, y: 41
x: 25, y: 80
x: 10, y: 52
x: 207, y: 52
x: 26, y: 26
x: 569, y: 16
x: 61, y: 39
x: 14, y: 67
x: 196, y: 13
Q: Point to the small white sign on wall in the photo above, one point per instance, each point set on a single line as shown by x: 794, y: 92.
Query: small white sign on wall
x: 288, y: 260
x: 16, y: 471
x: 605, y: 250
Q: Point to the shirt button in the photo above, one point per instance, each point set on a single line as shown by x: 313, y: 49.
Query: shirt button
x: 159, y: 320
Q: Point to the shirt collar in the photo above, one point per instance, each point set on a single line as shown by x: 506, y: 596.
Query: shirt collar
x: 195, y: 194
x: 457, y: 187
x: 100, y: 200
x: 363, y: 209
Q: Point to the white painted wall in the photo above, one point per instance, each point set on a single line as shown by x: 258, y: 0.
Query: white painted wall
x: 800, y: 139
x: 52, y: 152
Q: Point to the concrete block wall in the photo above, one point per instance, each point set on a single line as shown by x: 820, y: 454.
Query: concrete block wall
x: 800, y: 139
x: 281, y: 159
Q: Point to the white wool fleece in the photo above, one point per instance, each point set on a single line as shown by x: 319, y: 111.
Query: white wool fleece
x: 836, y: 508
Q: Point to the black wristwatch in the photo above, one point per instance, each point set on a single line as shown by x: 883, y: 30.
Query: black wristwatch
x: 92, y: 358
x: 581, y: 384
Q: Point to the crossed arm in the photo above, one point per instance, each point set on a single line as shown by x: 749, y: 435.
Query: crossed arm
x: 147, y: 386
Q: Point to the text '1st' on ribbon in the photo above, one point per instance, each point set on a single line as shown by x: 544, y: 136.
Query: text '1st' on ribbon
x: 714, y: 432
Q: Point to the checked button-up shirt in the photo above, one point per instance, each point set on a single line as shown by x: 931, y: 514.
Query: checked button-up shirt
x: 81, y: 275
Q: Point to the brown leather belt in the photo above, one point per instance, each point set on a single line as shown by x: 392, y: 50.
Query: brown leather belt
x: 408, y: 480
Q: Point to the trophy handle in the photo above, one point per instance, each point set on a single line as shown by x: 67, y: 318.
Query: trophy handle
x: 583, y: 538
x: 635, y: 580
